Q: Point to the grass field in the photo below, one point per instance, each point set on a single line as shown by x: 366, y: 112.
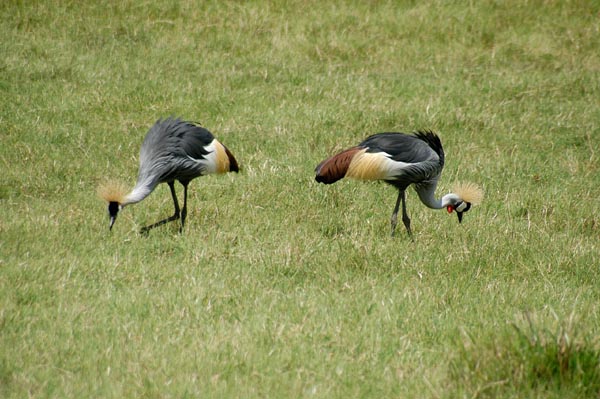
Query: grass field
x: 281, y: 287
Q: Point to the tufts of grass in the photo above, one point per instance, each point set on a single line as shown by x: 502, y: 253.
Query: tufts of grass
x: 530, y: 358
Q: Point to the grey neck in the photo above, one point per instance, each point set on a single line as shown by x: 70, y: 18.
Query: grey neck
x: 427, y: 195
x: 139, y: 192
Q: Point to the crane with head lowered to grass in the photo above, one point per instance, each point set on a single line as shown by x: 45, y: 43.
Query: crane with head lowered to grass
x: 401, y: 160
x: 172, y: 150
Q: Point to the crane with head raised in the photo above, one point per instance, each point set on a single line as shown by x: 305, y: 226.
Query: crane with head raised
x: 401, y: 160
x: 172, y: 150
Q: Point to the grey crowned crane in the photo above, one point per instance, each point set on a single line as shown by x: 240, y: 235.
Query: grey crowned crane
x: 172, y: 150
x: 401, y: 160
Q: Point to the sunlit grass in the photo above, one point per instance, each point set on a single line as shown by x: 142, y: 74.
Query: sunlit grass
x: 279, y: 286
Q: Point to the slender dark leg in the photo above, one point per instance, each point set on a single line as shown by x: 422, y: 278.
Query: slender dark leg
x: 395, y: 213
x: 175, y: 216
x: 405, y: 217
x: 184, y: 210
x: 175, y: 202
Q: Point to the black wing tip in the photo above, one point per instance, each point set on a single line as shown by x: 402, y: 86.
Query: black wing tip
x: 325, y: 179
x: 432, y: 139
x: 426, y: 133
x: 233, y: 163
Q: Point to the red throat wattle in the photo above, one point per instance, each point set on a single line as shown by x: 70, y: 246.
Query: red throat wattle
x: 449, y: 208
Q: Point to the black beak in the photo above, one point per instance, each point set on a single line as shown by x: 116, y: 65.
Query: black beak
x: 459, y: 214
x: 113, y: 210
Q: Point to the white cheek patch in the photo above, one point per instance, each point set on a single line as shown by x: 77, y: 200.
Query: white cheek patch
x: 461, y: 207
x: 208, y: 164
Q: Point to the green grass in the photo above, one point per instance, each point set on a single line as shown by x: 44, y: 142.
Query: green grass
x: 281, y: 287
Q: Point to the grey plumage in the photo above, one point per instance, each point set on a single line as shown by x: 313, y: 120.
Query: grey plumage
x: 170, y: 151
x: 422, y: 153
x: 174, y: 149
x: 400, y: 160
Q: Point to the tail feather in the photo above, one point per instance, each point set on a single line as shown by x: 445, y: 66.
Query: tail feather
x: 333, y: 169
x: 223, y: 160
x: 233, y: 165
